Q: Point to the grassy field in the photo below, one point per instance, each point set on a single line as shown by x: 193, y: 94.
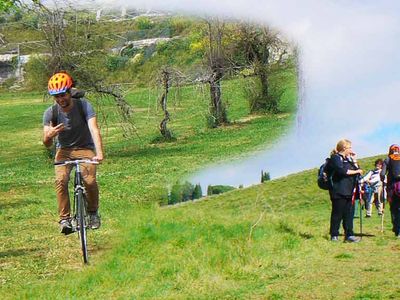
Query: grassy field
x: 265, y: 242
x: 35, y: 258
x: 269, y: 241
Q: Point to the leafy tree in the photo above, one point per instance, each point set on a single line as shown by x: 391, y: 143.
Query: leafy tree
x: 7, y: 5
x: 187, y: 191
x: 181, y: 192
x: 209, y: 190
x: 265, y: 176
x: 176, y: 194
x: 197, y: 192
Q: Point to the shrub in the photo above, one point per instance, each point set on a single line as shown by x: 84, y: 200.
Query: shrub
x: 31, y: 21
x: 8, y: 83
x: 219, y: 189
x: 159, y: 195
x: 17, y: 16
x: 115, y: 62
x: 179, y: 24
x: 37, y: 72
x: 143, y: 23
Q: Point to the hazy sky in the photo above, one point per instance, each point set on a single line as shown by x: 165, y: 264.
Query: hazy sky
x: 350, y: 62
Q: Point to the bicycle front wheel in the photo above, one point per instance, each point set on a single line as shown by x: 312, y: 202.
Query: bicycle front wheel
x: 81, y: 214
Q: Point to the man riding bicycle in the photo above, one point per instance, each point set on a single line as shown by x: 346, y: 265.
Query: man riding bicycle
x: 72, y: 122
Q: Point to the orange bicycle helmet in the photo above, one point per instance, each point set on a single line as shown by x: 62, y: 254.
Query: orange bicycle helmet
x: 59, y: 83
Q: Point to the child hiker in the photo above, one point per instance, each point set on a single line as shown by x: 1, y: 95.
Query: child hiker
x: 373, y: 189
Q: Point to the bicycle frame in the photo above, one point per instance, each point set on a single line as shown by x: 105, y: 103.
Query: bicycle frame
x: 78, y: 186
x: 79, y: 220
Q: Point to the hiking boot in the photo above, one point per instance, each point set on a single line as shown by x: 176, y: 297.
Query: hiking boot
x: 94, y: 220
x: 352, y: 239
x: 65, y: 226
x: 334, y: 238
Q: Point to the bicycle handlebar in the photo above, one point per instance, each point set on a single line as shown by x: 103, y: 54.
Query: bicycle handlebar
x: 75, y: 162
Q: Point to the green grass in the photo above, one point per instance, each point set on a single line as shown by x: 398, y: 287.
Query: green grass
x: 269, y: 241
x: 216, y: 249
x: 132, y: 180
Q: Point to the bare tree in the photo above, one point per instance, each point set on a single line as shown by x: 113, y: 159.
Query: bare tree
x: 166, y: 81
x: 258, y: 44
x: 78, y: 54
x: 216, y: 61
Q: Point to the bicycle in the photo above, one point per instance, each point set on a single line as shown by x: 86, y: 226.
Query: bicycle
x: 80, y: 218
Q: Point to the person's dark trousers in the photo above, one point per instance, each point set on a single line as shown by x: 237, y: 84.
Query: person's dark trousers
x: 395, y: 213
x: 342, y: 210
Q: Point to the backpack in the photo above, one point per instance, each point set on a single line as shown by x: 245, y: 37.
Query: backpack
x: 76, y: 95
x: 367, y: 191
x: 394, y: 166
x: 396, y: 188
x: 324, y: 178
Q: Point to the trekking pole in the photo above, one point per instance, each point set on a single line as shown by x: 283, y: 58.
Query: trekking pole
x: 354, y: 201
x: 383, y: 206
x: 361, y: 224
x: 359, y: 192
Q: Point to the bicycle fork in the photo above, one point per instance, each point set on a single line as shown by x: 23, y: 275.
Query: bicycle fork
x: 78, y: 186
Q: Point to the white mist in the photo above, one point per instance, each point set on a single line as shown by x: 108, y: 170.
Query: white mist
x: 350, y: 62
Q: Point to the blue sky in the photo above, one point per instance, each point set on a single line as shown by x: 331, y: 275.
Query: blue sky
x: 350, y: 60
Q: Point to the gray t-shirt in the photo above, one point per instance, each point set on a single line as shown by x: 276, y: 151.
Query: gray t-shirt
x: 76, y: 133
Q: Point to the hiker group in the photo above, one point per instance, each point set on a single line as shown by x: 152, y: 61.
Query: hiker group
x: 349, y: 187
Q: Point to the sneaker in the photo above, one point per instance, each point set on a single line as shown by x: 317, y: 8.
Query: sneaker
x: 334, y: 238
x: 65, y: 226
x: 368, y: 216
x: 352, y: 239
x: 94, y: 220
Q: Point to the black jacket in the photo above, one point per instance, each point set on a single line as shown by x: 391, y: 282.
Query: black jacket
x: 391, y: 168
x: 386, y: 170
x: 343, y: 184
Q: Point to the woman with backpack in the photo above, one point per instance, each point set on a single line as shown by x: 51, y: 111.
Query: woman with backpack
x: 391, y: 170
x: 344, y: 172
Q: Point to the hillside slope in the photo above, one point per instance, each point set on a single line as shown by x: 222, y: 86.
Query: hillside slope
x: 133, y: 179
x: 265, y: 242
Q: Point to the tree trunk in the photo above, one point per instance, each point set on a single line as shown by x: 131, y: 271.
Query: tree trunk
x: 218, y: 109
x: 165, y: 132
x: 216, y: 63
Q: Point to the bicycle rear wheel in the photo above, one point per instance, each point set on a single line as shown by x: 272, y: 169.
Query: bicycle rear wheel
x: 81, y: 216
